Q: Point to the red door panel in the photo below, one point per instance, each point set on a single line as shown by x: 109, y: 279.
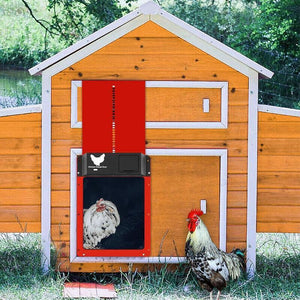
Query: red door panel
x: 113, y: 116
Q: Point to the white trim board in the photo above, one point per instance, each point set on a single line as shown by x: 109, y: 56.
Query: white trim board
x: 75, y: 84
x: 20, y: 110
x: 222, y: 153
x: 46, y: 173
x: 153, y: 12
x: 223, y: 86
x: 252, y: 173
x: 279, y: 110
x: 73, y: 202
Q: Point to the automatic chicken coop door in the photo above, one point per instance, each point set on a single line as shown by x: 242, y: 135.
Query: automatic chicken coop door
x: 113, y: 182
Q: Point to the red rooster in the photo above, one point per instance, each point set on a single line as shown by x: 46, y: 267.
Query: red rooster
x: 212, y: 266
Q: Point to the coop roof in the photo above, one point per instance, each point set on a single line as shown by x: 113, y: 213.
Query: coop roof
x: 152, y: 11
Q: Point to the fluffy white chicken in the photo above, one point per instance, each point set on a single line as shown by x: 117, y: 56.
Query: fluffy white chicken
x: 99, y: 222
x: 97, y: 160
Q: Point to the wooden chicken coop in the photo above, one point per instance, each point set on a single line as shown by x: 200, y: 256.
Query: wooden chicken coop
x: 176, y: 112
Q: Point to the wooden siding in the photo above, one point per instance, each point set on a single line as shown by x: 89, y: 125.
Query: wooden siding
x: 278, y: 207
x: 143, y: 54
x: 177, y: 185
x: 20, y: 173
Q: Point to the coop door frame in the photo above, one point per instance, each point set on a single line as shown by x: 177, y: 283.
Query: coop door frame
x: 222, y: 153
x: 127, y: 252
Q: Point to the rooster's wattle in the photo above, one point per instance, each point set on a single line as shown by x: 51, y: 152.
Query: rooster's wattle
x: 212, y: 266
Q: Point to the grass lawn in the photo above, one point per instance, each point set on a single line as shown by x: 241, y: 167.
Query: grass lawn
x: 277, y: 277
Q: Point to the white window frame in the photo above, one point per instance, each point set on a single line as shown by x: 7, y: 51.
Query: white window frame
x: 223, y: 86
x: 75, y: 84
x: 222, y: 153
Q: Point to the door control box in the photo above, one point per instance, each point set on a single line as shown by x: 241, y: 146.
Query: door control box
x: 114, y: 164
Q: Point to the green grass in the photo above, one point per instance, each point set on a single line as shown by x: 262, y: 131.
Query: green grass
x: 20, y: 272
x: 277, y: 277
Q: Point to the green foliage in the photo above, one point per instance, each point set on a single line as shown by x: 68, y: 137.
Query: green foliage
x: 279, y: 23
x: 57, y: 24
x: 23, y: 42
x: 74, y: 20
x: 272, y: 38
x: 266, y: 31
x: 215, y: 19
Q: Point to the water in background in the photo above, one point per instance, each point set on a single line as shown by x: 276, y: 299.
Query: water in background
x: 18, y: 88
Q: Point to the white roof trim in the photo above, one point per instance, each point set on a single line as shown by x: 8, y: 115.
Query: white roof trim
x: 210, y: 40
x: 38, y: 69
x: 201, y: 44
x: 279, y: 110
x: 96, y: 45
x: 151, y: 8
x: 20, y: 110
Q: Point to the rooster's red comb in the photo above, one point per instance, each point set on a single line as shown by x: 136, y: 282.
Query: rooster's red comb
x: 197, y: 212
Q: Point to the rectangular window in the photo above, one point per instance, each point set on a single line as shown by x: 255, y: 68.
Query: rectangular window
x: 169, y: 104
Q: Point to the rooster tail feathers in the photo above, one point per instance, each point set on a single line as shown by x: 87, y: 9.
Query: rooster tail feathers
x: 241, y: 254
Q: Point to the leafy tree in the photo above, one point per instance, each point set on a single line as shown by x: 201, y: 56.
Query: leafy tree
x: 213, y: 19
x: 281, y: 22
x: 23, y: 42
x: 74, y: 20
x: 266, y: 31
x: 272, y: 38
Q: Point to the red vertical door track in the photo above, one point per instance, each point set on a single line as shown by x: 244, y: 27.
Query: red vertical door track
x: 113, y: 172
